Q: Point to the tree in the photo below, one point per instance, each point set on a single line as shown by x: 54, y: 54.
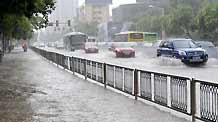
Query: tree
x: 148, y: 23
x: 87, y: 28
x: 21, y: 16
x: 207, y: 21
x: 180, y: 21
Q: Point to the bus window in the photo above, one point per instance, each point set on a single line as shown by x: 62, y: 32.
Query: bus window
x: 151, y: 37
x: 136, y: 36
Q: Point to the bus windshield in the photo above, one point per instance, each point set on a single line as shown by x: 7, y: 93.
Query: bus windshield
x: 136, y: 36
x: 78, y: 38
x: 151, y: 37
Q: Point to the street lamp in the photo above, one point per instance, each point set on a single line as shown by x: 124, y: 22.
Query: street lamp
x: 163, y: 32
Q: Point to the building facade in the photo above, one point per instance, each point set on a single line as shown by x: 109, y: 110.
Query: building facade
x: 97, y: 13
x: 159, y: 3
x: 65, y: 10
x: 125, y: 13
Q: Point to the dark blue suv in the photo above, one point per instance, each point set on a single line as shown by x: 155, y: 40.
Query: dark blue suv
x: 184, y: 49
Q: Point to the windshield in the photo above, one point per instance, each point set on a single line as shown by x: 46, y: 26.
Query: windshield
x: 78, y: 38
x: 136, y: 35
x: 184, y: 44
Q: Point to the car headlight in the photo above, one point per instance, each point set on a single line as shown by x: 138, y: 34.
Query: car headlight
x: 183, y: 53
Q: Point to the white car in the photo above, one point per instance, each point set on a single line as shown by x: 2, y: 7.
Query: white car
x: 59, y: 44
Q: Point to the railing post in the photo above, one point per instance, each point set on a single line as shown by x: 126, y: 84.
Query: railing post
x: 168, y: 91
x: 193, y: 99
x: 136, y: 84
x: 105, y: 75
x: 152, y: 87
x: 85, y: 70
x: 68, y: 63
x: 73, y: 66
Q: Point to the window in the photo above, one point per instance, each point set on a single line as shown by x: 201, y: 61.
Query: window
x: 136, y: 35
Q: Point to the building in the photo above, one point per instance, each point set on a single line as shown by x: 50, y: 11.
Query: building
x: 97, y: 11
x: 81, y: 14
x: 159, y: 3
x: 127, y: 12
x: 65, y: 10
x: 107, y: 30
x: 124, y: 15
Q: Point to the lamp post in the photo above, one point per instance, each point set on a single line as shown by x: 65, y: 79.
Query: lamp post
x: 163, y: 32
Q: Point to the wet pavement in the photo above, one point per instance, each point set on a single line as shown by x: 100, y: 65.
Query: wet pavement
x: 33, y: 90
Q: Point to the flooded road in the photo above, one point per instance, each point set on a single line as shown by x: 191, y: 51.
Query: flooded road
x: 37, y: 91
x: 147, y: 60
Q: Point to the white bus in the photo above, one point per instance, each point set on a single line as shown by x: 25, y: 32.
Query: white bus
x: 74, y: 41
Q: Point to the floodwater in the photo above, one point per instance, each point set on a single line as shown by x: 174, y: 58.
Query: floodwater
x: 33, y: 90
x: 147, y: 60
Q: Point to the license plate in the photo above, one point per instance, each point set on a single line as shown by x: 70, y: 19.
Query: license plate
x: 196, y: 58
x: 126, y: 53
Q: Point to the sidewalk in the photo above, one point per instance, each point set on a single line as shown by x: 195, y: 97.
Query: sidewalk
x: 33, y: 90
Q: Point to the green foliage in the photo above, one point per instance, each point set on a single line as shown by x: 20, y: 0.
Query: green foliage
x: 16, y: 26
x: 149, y: 23
x: 207, y: 22
x: 194, y: 18
x: 19, y: 17
x: 180, y: 20
x: 26, y: 8
x: 88, y: 28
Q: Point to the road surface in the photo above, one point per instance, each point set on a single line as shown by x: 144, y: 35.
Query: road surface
x: 33, y: 90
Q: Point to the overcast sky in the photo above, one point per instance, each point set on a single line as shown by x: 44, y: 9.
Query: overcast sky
x: 115, y: 2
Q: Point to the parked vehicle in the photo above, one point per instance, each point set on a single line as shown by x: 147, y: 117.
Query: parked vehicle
x: 59, y: 44
x: 204, y: 44
x: 41, y: 44
x: 51, y: 44
x: 184, y: 49
x: 212, y: 51
x: 125, y: 52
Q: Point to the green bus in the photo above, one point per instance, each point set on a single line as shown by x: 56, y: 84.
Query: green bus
x: 150, y: 36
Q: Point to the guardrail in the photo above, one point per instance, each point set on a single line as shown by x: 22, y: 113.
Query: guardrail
x: 195, y: 98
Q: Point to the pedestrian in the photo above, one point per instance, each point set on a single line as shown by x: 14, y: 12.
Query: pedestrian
x: 24, y: 46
